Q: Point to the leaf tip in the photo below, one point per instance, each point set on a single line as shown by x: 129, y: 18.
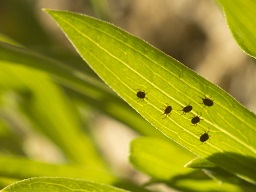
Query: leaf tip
x: 45, y: 10
x: 49, y: 11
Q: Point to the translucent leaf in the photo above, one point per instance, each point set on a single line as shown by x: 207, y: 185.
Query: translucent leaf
x: 149, y: 81
x: 220, y: 174
x: 58, y: 184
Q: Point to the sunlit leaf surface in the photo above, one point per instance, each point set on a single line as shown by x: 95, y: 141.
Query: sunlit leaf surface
x: 58, y: 184
x: 131, y: 67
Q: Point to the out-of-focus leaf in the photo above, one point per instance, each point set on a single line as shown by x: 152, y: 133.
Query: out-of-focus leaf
x: 10, y: 142
x: 51, y: 112
x: 22, y: 168
x: 159, y: 158
x: 240, y: 15
x: 90, y: 89
x: 8, y: 40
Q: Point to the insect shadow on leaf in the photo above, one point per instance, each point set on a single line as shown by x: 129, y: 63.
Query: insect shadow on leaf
x: 167, y: 111
x: 186, y: 109
x: 204, y: 137
x: 141, y: 95
x: 207, y: 101
x: 196, y: 119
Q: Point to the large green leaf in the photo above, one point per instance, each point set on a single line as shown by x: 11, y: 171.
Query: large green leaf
x: 58, y: 184
x: 240, y: 15
x: 128, y: 64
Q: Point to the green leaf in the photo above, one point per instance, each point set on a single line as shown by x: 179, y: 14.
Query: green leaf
x: 240, y: 15
x: 6, y: 181
x: 220, y: 174
x: 128, y: 64
x: 168, y: 159
x: 50, y: 111
x: 192, y: 183
x: 165, y: 162
x: 200, y: 163
x: 58, y: 184
x: 22, y: 168
x: 214, y: 171
x: 6, y: 39
x: 13, y: 168
x: 89, y: 89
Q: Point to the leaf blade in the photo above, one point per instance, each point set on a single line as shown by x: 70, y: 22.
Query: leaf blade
x: 58, y: 184
x: 148, y: 151
x: 61, y: 127
x: 22, y: 168
x: 127, y: 64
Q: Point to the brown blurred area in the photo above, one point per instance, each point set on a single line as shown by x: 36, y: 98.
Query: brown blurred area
x: 192, y: 31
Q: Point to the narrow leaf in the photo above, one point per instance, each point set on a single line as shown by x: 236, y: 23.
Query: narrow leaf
x: 22, y: 168
x: 240, y: 15
x: 200, y: 163
x: 50, y: 111
x: 149, y: 80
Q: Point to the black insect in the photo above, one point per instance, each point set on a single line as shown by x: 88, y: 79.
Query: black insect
x: 186, y: 109
x: 167, y: 111
x: 141, y: 95
x: 204, y: 137
x: 196, y: 119
x: 207, y: 101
